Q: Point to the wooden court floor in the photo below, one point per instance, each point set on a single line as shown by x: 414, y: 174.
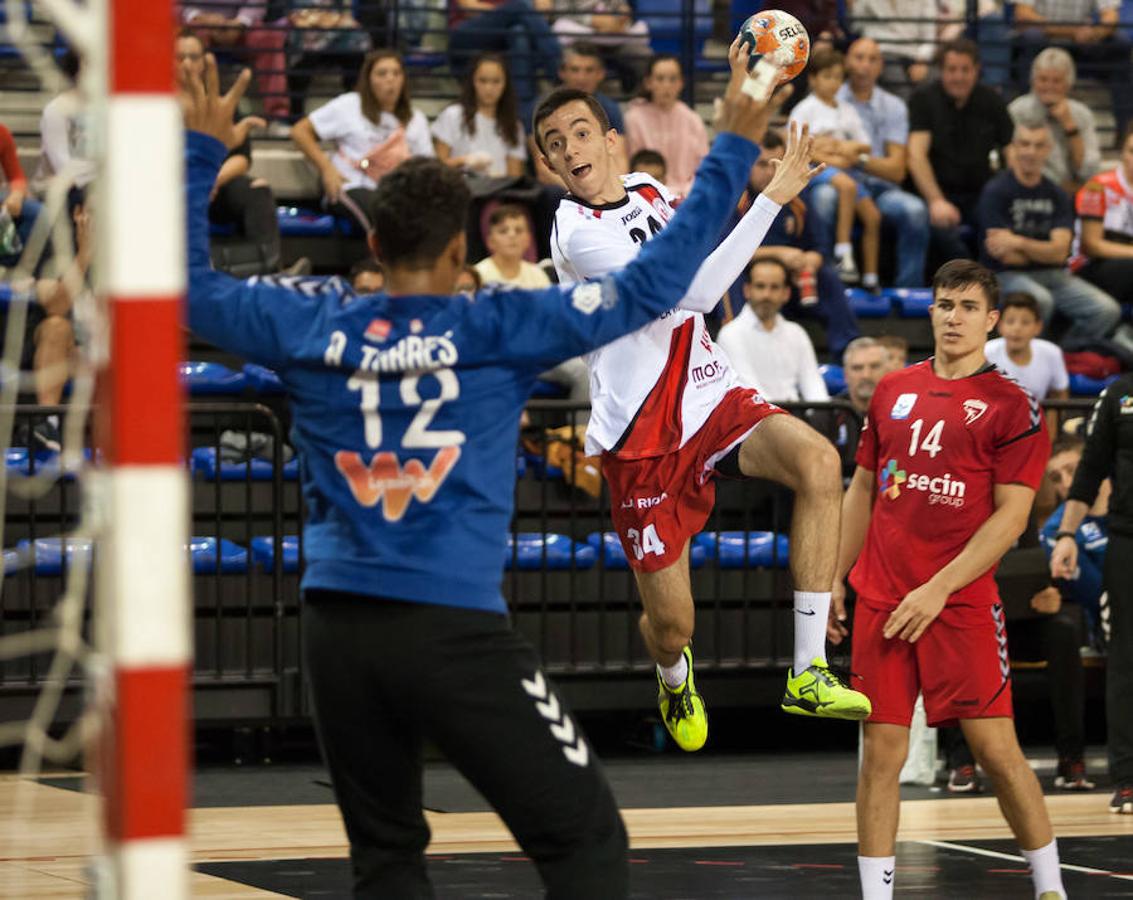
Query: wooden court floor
x: 48, y: 834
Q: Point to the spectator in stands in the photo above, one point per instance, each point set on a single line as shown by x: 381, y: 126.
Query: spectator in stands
x: 238, y: 27
x: 14, y: 199
x: 651, y: 163
x: 64, y: 135
x: 659, y: 120
x: 841, y: 140
x: 609, y: 26
x: 1105, y: 219
x: 482, y: 133
x: 1026, y: 224
x: 767, y: 351
x: 509, y: 239
x: 818, y: 17
x: 1100, y: 49
x: 1092, y: 537
x: 583, y: 69
x: 236, y: 199
x: 516, y: 28
x: 468, y: 281
x: 883, y: 168
x: 956, y: 127
x: 373, y: 127
x: 322, y: 36
x: 896, y: 350
x: 907, y: 32
x: 817, y: 290
x: 863, y: 365
x: 1075, y: 154
x: 368, y: 276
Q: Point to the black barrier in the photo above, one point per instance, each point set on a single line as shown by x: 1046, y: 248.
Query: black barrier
x: 565, y: 578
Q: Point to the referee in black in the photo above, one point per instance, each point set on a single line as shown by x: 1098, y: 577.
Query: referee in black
x: 1109, y: 454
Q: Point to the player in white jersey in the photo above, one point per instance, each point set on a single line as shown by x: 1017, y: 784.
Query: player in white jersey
x: 668, y: 414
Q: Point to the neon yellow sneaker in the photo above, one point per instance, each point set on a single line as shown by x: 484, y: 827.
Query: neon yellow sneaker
x: 819, y: 692
x: 682, y: 710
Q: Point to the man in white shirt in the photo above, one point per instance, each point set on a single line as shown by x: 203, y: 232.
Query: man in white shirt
x: 668, y: 414
x: 767, y: 351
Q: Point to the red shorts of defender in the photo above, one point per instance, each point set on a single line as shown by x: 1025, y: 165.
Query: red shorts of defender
x: 959, y: 664
x: 659, y: 502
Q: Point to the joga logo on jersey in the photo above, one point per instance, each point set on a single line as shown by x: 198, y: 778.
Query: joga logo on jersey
x: 384, y: 479
x: 941, y: 489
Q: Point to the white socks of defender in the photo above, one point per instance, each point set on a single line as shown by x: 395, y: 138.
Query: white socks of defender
x: 1046, y: 873
x: 674, y: 676
x: 811, y: 610
x: 876, y: 874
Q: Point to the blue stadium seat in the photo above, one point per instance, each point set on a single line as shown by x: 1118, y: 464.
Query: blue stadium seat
x: 295, y: 222
x: 525, y: 552
x: 520, y: 465
x: 867, y: 305
x: 764, y: 548
x: 19, y: 462
x: 421, y: 58
x: 202, y: 462
x: 548, y: 390
x: 263, y: 553
x: 910, y: 303
x: 1085, y: 386
x: 208, y: 557
x: 217, y: 229
x: 47, y: 554
x: 834, y: 376
x: 614, y: 555
x: 262, y: 380
x: 666, y: 24
x: 539, y: 467
x: 210, y: 379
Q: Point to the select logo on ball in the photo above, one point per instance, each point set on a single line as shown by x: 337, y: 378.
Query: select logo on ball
x: 780, y: 39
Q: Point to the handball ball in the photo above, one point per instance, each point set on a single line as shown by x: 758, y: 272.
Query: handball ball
x: 779, y: 38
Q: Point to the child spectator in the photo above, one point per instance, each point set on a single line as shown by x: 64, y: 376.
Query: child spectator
x: 1021, y: 353
x: 482, y: 132
x: 659, y: 120
x: 896, y: 351
x: 468, y: 281
x: 651, y: 163
x: 509, y: 237
x: 373, y: 127
x: 368, y: 276
x: 842, y: 140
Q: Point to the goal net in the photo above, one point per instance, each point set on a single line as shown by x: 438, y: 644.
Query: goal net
x: 94, y: 605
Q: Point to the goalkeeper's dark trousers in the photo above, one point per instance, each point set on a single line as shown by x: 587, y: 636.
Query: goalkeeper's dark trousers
x: 386, y: 676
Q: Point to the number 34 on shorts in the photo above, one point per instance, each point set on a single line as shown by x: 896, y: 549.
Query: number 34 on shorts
x: 645, y: 541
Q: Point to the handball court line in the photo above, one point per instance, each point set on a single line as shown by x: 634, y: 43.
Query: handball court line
x: 996, y: 854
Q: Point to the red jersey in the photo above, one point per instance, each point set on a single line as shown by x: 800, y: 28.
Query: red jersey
x: 937, y: 448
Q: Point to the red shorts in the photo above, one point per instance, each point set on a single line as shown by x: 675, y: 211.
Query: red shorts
x: 659, y: 502
x: 960, y: 665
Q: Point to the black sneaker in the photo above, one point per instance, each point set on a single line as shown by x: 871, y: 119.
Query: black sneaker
x: 1122, y: 801
x: 1072, y: 776
x: 45, y: 436
x: 964, y: 780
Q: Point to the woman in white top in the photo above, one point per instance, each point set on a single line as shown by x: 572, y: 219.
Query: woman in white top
x: 373, y: 128
x: 482, y: 133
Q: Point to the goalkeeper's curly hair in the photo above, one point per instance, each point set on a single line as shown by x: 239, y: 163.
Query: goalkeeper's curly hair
x: 417, y: 209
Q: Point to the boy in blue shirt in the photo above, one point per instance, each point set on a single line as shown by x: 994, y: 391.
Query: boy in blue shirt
x: 406, y: 407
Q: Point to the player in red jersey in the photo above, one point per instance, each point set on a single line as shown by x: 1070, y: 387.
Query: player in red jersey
x: 949, y: 460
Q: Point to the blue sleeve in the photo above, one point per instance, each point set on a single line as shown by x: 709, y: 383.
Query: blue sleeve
x: 545, y: 327
x: 253, y: 319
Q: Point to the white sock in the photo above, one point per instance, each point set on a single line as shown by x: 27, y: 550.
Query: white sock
x: 876, y: 873
x: 846, y: 249
x: 811, y: 610
x: 1046, y: 873
x: 674, y: 676
x: 869, y: 279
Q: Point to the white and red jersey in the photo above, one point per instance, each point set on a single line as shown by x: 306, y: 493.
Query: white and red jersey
x: 1108, y: 197
x: 651, y: 390
x: 937, y: 448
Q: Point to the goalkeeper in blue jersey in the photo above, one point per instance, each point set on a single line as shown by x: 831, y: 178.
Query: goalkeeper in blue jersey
x: 406, y: 407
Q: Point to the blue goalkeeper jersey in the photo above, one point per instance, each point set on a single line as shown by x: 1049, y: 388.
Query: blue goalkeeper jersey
x: 406, y: 409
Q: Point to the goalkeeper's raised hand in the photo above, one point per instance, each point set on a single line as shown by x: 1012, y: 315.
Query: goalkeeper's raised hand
x: 208, y: 111
x: 795, y: 170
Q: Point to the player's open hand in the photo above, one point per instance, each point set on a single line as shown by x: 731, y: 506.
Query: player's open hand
x: 836, y: 619
x: 739, y: 113
x: 207, y: 110
x: 915, y: 613
x: 795, y: 170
